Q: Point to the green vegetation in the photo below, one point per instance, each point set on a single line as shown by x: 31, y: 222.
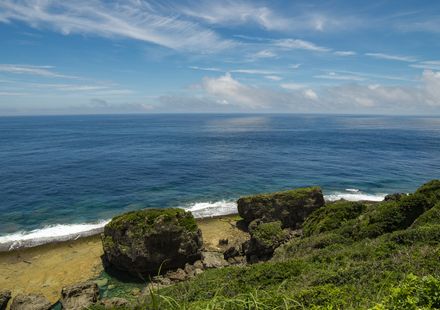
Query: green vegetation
x: 268, y: 234
x: 146, y: 219
x: 295, y: 194
x: 351, y: 256
x: 331, y: 217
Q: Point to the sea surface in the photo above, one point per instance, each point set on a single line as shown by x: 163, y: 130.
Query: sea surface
x: 65, y: 176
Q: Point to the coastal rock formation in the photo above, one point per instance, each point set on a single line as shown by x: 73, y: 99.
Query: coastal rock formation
x: 4, y: 299
x: 79, y: 296
x: 152, y: 240
x: 30, y: 302
x: 265, y: 238
x: 290, y: 207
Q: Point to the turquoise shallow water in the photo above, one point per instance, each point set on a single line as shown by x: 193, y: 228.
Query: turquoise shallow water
x: 62, y: 170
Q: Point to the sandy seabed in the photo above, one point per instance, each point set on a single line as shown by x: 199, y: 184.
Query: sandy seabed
x: 48, y: 268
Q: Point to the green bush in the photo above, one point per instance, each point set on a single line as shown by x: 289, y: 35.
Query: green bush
x: 332, y: 216
x: 431, y: 191
x: 414, y: 293
x: 391, y: 216
x: 431, y: 216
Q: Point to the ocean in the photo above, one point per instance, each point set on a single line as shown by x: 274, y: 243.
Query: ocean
x: 65, y: 176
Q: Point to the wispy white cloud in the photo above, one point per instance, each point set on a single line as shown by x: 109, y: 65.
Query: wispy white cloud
x: 345, y: 53
x: 254, y: 71
x: 300, y: 44
x: 340, y: 77
x: 132, y: 19
x: 293, y: 86
x: 392, y: 57
x: 431, y: 64
x: 273, y: 77
x: 43, y: 71
x: 233, y: 13
x: 294, y: 66
x: 205, y: 68
x: 264, y: 54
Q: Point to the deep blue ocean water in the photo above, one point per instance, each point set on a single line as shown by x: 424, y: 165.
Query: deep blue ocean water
x: 82, y: 169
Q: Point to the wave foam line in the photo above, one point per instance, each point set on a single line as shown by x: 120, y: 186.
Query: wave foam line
x: 210, y: 209
x: 65, y: 232
x: 52, y: 233
x: 354, y: 196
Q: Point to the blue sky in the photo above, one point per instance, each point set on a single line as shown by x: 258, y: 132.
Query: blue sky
x: 134, y: 56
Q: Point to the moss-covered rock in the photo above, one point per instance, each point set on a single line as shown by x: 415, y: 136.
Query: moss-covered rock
x: 265, y: 238
x: 332, y: 216
x: 146, y: 241
x: 290, y: 207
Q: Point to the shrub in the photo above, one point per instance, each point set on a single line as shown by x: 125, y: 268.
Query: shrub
x: 332, y: 216
x: 414, y: 293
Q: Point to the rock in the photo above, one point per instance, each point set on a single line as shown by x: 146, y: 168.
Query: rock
x: 190, y: 269
x: 223, y: 241
x: 290, y: 207
x: 265, y: 238
x: 394, y: 197
x: 136, y: 291
x: 79, y: 296
x: 231, y: 253
x: 198, y: 264
x: 151, y: 240
x: 115, y: 303
x: 213, y: 260
x: 238, y: 260
x: 111, y: 286
x: 176, y: 276
x: 30, y: 302
x: 4, y: 299
x: 198, y: 271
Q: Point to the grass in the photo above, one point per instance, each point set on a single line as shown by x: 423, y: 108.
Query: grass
x: 351, y: 256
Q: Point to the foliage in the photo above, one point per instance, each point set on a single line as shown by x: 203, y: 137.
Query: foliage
x: 332, y: 216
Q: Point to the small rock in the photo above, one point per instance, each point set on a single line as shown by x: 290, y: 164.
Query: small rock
x: 223, y: 241
x: 111, y: 287
x: 231, y: 252
x: 198, y: 264
x: 79, y: 296
x: 177, y: 276
x: 198, y: 271
x: 115, y: 303
x: 4, y: 299
x: 136, y: 291
x: 189, y: 269
x: 238, y: 260
x: 30, y: 302
x: 213, y: 260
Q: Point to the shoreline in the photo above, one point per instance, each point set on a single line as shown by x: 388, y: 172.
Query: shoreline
x: 47, y: 268
x: 57, y: 233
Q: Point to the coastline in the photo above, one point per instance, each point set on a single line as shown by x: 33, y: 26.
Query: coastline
x: 47, y: 268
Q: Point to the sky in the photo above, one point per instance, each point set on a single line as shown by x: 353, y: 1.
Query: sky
x: 136, y: 56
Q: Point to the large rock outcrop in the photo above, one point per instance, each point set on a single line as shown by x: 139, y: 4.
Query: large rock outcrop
x: 290, y: 207
x: 152, y: 240
x: 30, y: 302
x: 79, y: 296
